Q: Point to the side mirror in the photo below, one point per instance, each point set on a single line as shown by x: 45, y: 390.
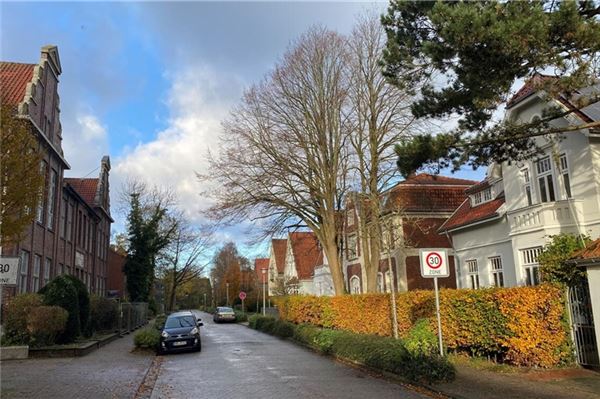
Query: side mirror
x: 200, y: 324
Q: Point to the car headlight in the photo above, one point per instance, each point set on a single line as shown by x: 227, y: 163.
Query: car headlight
x: 194, y: 331
x: 164, y: 334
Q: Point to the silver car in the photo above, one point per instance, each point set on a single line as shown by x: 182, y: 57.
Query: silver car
x: 224, y: 314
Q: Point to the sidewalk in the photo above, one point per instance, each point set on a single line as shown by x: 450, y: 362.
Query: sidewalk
x: 472, y: 383
x: 109, y: 372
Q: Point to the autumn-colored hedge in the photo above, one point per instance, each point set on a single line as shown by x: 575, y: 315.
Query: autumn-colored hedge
x: 522, y: 326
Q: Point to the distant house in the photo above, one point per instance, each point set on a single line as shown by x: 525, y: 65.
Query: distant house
x: 412, y: 212
x: 276, y: 266
x: 261, y: 264
x: 303, y: 255
x: 71, y: 230
x: 500, y: 229
x: 117, y: 280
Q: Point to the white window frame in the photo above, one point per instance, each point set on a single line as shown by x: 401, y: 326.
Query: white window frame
x: 355, y: 287
x: 529, y: 259
x: 37, y: 265
x: 543, y: 168
x: 497, y: 270
x: 47, y: 268
x: 380, y: 283
x: 527, y: 185
x: 23, y: 271
x: 563, y: 169
x: 39, y: 212
x: 352, y: 246
x: 351, y: 217
x: 477, y: 198
x: 51, y: 199
x: 472, y: 273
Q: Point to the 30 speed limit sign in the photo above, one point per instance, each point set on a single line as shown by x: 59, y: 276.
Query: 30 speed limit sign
x: 434, y: 263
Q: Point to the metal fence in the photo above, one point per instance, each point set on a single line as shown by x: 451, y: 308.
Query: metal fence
x: 582, y: 323
x: 132, y: 315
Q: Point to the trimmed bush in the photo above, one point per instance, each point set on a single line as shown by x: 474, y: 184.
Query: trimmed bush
x: 252, y: 320
x: 523, y: 326
x: 60, y: 291
x: 104, y: 313
x: 147, y: 338
x: 240, y: 316
x: 283, y: 329
x: 83, y: 298
x: 306, y: 334
x: 421, y: 340
x: 45, y: 323
x: 15, y: 324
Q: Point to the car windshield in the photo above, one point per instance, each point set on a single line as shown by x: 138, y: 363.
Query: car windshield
x: 225, y: 310
x: 180, y: 321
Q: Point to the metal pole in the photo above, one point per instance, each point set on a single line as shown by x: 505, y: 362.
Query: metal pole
x: 264, y: 300
x: 227, y: 285
x: 437, y: 312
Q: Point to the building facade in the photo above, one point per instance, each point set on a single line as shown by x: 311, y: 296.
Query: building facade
x: 71, y: 229
x: 500, y: 229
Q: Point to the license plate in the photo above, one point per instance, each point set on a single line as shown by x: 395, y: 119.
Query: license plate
x: 180, y: 343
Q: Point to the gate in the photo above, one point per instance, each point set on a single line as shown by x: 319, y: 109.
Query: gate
x: 582, y: 324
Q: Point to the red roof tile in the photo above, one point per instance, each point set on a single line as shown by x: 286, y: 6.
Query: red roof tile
x: 279, y: 248
x: 529, y: 88
x: 466, y: 214
x: 592, y: 251
x: 428, y: 193
x: 307, y: 253
x: 86, y: 188
x: 13, y: 81
x: 261, y: 264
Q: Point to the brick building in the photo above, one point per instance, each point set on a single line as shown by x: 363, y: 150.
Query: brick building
x: 116, y: 285
x: 71, y: 229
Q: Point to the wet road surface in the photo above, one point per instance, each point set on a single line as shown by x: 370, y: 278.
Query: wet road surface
x: 238, y: 362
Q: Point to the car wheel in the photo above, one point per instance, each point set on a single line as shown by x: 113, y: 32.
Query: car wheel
x: 199, y: 347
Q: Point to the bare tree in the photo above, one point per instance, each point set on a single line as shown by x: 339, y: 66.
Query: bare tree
x: 283, y: 157
x: 381, y: 118
x: 182, y: 260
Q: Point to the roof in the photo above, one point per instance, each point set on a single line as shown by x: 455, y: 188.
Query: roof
x: 428, y: 193
x: 307, y: 253
x: 466, y: 214
x: 13, y: 81
x: 530, y: 87
x: 279, y: 248
x: 261, y: 264
x: 589, y: 254
x: 86, y: 188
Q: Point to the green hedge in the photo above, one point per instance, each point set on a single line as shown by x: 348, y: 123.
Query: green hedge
x: 83, y: 297
x: 147, y: 338
x: 60, y: 291
x: 381, y: 353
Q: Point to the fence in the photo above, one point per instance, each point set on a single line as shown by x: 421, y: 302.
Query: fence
x: 132, y: 315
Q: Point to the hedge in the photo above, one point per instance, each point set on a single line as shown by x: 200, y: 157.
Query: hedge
x: 60, y: 291
x: 15, y: 323
x: 523, y: 326
x: 377, y: 352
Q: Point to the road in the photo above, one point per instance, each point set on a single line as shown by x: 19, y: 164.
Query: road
x: 238, y: 362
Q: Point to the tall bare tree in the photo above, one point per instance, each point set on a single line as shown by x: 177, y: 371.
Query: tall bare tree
x: 283, y: 156
x: 381, y: 118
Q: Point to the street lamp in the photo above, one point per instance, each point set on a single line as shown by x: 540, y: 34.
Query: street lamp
x: 264, y: 274
x: 227, y: 285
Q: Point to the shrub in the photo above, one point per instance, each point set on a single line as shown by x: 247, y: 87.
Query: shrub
x: 240, y: 316
x: 306, y: 334
x: 283, y: 329
x: 160, y: 320
x: 15, y: 324
x: 45, y: 323
x: 252, y: 320
x: 421, y: 340
x: 147, y: 338
x: 104, y: 313
x: 61, y: 292
x: 83, y: 298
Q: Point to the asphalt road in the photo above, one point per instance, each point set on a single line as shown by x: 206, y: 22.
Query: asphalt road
x: 238, y: 362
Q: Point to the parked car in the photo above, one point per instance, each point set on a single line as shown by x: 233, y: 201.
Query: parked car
x: 181, y: 332
x: 223, y: 314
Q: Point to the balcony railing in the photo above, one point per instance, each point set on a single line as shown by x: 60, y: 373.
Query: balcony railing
x: 564, y: 212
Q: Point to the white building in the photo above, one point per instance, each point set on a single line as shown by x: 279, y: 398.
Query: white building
x: 498, y: 232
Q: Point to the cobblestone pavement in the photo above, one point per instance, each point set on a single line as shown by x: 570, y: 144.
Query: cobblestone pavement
x: 109, y: 372
x: 237, y: 362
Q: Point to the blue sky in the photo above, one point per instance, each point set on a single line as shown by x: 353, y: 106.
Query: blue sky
x: 149, y: 83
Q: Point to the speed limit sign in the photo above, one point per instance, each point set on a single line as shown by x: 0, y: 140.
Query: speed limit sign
x: 434, y: 263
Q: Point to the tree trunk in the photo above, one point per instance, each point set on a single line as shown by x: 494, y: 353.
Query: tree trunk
x: 172, y: 295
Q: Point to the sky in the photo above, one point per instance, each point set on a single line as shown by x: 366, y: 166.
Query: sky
x: 149, y: 83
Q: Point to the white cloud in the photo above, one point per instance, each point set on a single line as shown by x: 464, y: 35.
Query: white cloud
x: 85, y: 142
x: 198, y: 101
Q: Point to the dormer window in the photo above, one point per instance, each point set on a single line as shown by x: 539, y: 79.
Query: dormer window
x: 482, y: 196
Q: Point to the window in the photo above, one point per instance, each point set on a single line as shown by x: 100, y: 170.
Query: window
x: 545, y: 181
x: 531, y: 265
x: 39, y: 214
x: 47, y: 271
x: 60, y: 270
x: 564, y: 172
x: 355, y: 285
x: 487, y: 194
x: 497, y: 273
x: 351, y: 217
x: 380, y: 287
x: 22, y: 276
x: 472, y: 272
x: 51, y: 199
x: 63, y: 217
x: 69, y: 232
x: 35, y: 281
x: 352, y: 247
x: 477, y: 198
x: 527, y: 186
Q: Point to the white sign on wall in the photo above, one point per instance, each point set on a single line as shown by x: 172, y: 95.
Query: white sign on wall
x: 9, y: 268
x: 434, y: 263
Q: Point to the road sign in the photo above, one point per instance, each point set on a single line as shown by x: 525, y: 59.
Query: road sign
x: 9, y: 268
x: 434, y: 263
x: 242, y: 295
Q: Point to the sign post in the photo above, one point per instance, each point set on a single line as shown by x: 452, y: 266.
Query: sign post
x: 434, y: 264
x: 242, y: 297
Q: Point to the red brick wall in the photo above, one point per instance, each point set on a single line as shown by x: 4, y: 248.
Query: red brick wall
x: 116, y: 277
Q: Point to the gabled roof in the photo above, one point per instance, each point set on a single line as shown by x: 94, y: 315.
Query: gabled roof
x: 587, y: 255
x: 86, y: 188
x: 529, y: 88
x: 427, y: 193
x: 467, y: 214
x: 307, y: 253
x: 279, y: 248
x: 14, y: 78
x: 260, y: 264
